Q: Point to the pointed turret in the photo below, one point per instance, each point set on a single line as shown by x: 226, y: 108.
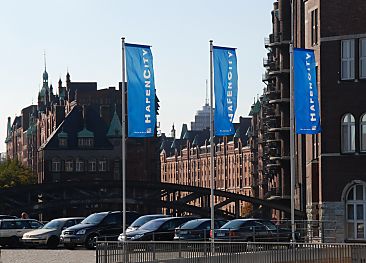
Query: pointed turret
x: 115, y: 127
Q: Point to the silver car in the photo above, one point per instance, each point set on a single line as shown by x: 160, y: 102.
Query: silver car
x: 49, y: 234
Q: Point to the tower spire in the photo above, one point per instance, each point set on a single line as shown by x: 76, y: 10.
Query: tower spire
x: 44, y: 58
x: 206, y: 92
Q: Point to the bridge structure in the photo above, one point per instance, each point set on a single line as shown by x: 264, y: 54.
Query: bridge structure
x: 72, y: 198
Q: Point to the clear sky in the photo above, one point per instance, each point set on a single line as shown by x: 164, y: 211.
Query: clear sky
x: 83, y: 36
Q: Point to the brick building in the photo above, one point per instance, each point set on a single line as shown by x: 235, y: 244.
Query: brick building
x: 75, y: 135
x: 187, y: 161
x: 330, y: 179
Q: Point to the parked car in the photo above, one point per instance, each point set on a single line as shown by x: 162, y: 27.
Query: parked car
x: 257, y: 230
x: 161, y: 229
x: 7, y: 217
x: 49, y: 234
x: 12, y: 230
x: 104, y: 224
x: 143, y: 220
x: 197, y: 229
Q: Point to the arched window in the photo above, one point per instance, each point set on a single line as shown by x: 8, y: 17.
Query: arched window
x: 56, y: 165
x: 348, y: 133
x: 356, y: 212
x: 363, y: 133
x: 79, y: 165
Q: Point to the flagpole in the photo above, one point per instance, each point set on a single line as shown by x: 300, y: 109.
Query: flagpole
x: 292, y: 126
x: 212, y: 169
x: 123, y: 141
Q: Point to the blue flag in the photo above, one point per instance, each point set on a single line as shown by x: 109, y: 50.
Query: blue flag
x: 306, y: 92
x: 226, y: 89
x: 140, y: 91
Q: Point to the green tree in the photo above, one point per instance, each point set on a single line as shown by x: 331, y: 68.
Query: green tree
x: 13, y: 173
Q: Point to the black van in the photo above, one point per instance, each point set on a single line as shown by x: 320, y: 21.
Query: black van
x: 103, y: 224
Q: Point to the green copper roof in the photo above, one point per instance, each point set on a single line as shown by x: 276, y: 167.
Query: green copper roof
x: 237, y: 133
x: 115, y: 128
x: 85, y: 133
x: 31, y: 130
x: 255, y: 108
x: 62, y: 134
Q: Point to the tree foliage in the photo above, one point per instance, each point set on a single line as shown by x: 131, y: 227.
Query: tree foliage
x: 13, y: 173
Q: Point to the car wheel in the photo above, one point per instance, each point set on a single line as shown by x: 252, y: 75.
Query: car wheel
x: 14, y: 242
x: 69, y: 246
x: 91, y: 241
x: 53, y: 242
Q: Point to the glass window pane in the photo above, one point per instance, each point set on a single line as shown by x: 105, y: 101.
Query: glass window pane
x: 345, y: 48
x: 345, y: 73
x: 350, y: 213
x: 350, y: 194
x: 363, y: 68
x: 345, y: 143
x: 351, y: 230
x: 353, y: 138
x: 359, y: 212
x: 352, y: 69
x: 360, y: 230
x: 359, y: 192
x: 352, y: 48
x: 363, y: 47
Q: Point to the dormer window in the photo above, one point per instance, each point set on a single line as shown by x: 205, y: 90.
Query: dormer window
x: 62, y: 139
x: 85, y: 139
x: 86, y: 142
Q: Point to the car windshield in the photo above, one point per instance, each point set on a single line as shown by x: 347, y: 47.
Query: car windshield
x: 191, y: 224
x: 153, y: 225
x: 234, y: 224
x: 143, y: 219
x: 53, y: 224
x: 94, y: 219
x: 269, y: 225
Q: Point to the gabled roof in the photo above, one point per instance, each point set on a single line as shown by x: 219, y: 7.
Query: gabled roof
x: 75, y: 124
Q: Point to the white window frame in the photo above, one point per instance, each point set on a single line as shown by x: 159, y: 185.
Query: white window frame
x: 348, y: 133
x: 79, y: 166
x: 362, y: 52
x: 352, y: 216
x: 363, y: 132
x: 92, y: 165
x: 56, y: 166
x: 69, y: 166
x: 102, y: 165
x: 348, y: 59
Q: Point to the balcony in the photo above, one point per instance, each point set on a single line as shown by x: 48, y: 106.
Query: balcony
x: 275, y: 39
x: 273, y: 193
x: 273, y: 166
x: 280, y: 129
x: 279, y: 101
x: 266, y: 76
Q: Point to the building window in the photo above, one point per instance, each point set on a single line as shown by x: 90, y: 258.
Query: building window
x: 69, y: 166
x: 79, y: 166
x: 86, y: 142
x: 314, y: 27
x: 56, y: 166
x: 92, y: 165
x: 348, y: 133
x: 102, y: 165
x: 348, y: 59
x: 362, y: 58
x: 355, y: 212
x: 62, y: 142
x: 363, y: 132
